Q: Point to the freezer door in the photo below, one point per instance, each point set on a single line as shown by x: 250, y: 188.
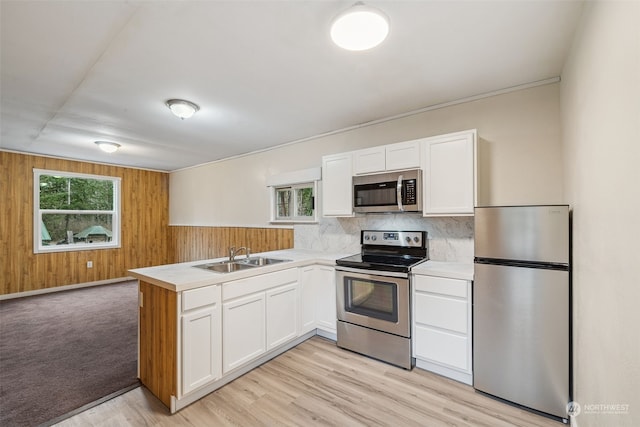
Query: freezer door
x: 524, y: 233
x: 521, y: 336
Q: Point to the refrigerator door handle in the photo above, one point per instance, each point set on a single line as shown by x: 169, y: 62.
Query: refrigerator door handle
x: 523, y: 264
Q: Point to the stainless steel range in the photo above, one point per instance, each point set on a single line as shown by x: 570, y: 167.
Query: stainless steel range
x: 374, y: 295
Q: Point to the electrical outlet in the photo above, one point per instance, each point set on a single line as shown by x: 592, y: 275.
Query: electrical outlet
x: 89, y: 264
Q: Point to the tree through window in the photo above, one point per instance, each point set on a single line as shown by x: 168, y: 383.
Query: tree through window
x: 75, y: 211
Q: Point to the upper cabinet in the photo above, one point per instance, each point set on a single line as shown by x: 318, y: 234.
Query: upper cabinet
x: 403, y: 155
x: 369, y: 160
x: 449, y: 163
x: 337, y: 189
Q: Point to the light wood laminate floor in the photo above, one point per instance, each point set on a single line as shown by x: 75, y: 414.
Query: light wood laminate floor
x: 317, y: 383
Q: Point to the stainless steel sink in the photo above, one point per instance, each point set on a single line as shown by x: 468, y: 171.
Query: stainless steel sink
x: 225, y: 266
x: 243, y: 264
x: 259, y: 261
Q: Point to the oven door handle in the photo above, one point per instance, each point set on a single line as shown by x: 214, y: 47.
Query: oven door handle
x: 372, y: 272
x: 399, y: 193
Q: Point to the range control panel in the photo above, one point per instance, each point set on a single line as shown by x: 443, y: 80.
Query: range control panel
x: 413, y: 239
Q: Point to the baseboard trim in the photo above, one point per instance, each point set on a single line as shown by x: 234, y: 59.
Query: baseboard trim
x: 63, y: 288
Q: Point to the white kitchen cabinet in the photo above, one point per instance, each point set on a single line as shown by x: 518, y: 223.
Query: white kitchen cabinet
x: 369, y: 160
x: 318, y: 300
x: 442, y: 332
x: 201, y: 337
x: 243, y: 331
x: 308, y: 298
x: 337, y: 190
x: 258, y: 314
x: 450, y: 168
x: 326, y: 291
x: 282, y: 315
x: 402, y: 155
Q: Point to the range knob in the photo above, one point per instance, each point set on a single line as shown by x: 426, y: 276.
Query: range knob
x: 366, y: 237
x: 374, y: 238
x: 416, y: 239
x: 408, y: 239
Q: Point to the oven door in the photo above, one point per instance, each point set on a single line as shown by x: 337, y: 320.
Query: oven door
x: 374, y: 300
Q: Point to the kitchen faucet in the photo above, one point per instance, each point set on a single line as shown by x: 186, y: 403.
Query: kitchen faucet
x: 233, y: 252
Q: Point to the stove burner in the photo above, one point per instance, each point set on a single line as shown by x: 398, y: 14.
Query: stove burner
x: 393, y: 251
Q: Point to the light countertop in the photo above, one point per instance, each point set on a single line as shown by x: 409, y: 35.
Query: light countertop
x: 451, y: 270
x: 184, y: 276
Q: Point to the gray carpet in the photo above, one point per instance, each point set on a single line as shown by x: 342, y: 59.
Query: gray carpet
x: 64, y: 350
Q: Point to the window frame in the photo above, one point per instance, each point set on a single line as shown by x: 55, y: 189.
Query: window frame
x: 294, y: 203
x: 115, y: 242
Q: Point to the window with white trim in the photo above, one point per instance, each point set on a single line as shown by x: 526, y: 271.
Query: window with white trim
x: 75, y: 211
x: 293, y: 196
x: 295, y: 203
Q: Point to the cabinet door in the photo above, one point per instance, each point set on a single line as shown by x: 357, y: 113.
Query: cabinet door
x: 282, y: 315
x: 403, y: 155
x: 244, y: 330
x: 449, y: 174
x: 327, y: 316
x: 308, y: 298
x: 369, y: 160
x: 337, y: 190
x: 201, y: 347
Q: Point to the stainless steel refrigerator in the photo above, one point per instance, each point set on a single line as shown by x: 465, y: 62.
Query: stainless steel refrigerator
x: 522, y: 306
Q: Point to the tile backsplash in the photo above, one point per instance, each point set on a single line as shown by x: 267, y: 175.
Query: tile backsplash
x: 450, y: 238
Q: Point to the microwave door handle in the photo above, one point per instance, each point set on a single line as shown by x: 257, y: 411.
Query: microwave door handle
x: 399, y: 193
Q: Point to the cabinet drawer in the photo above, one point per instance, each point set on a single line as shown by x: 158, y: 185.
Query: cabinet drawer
x: 441, y: 285
x: 442, y: 312
x: 200, y: 297
x: 441, y: 347
x: 258, y: 283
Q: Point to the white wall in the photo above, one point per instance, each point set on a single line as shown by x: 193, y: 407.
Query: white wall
x: 520, y: 157
x: 600, y: 102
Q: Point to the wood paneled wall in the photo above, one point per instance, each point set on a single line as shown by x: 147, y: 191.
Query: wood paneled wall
x: 147, y: 238
x: 190, y: 243
x: 144, y: 211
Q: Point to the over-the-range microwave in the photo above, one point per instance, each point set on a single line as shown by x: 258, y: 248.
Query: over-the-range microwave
x: 399, y: 191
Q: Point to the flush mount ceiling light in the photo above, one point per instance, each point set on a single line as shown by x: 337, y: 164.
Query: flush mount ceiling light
x: 360, y: 27
x: 109, y: 147
x: 181, y: 108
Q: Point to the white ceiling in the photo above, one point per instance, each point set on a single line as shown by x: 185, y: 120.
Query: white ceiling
x: 264, y: 73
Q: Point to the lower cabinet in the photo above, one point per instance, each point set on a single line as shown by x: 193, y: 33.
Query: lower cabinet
x: 243, y: 331
x: 308, y: 298
x: 318, y: 299
x: 199, y: 359
x: 442, y: 326
x: 197, y: 340
x: 326, y: 314
x: 201, y: 342
x: 282, y: 315
x: 259, y: 313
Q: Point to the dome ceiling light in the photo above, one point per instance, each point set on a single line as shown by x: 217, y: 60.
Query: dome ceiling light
x: 181, y: 108
x: 108, y: 147
x: 360, y: 27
